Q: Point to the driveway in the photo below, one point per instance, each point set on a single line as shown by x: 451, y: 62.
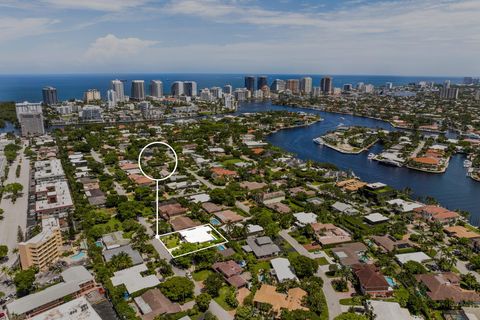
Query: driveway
x: 333, y: 300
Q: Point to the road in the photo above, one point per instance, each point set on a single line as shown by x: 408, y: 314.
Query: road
x: 118, y: 188
x: 204, y: 181
x: 333, y: 302
x: 462, y: 267
x: 15, y: 214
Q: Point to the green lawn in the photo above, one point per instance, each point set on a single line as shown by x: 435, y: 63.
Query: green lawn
x: 322, y: 261
x: 265, y: 265
x: 231, y: 161
x: 221, y: 298
x: 171, y: 241
x: 201, y: 275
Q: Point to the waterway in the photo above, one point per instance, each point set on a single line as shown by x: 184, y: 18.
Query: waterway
x: 453, y: 189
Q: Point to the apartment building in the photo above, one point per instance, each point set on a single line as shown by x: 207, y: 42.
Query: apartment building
x: 43, y: 249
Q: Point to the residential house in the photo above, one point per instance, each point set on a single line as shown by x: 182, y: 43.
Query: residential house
x: 446, y: 286
x: 371, y: 281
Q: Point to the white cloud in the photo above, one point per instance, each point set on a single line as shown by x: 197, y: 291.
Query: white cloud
x: 13, y: 28
x: 111, y: 47
x: 97, y: 5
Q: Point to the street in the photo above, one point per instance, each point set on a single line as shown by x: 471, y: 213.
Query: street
x: 333, y: 303
x: 15, y: 214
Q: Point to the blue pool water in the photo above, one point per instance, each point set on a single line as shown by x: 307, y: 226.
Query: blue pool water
x: 390, y: 281
x: 99, y: 244
x: 215, y: 222
x: 221, y: 247
x: 78, y: 256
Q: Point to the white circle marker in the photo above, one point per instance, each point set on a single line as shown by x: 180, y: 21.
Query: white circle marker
x: 157, y: 236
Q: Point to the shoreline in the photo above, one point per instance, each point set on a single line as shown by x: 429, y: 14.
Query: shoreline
x: 346, y: 151
x: 367, y: 117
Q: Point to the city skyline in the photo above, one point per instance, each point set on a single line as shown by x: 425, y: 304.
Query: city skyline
x: 344, y: 37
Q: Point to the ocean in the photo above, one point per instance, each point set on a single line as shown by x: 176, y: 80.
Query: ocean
x: 71, y: 86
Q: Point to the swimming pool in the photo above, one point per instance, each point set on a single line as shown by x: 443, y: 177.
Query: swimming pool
x: 221, y: 247
x: 215, y: 222
x: 99, y: 244
x: 390, y: 281
x: 78, y: 256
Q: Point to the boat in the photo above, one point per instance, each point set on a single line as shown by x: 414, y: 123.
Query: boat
x: 371, y: 156
x: 318, y: 140
x: 389, y: 162
x: 467, y: 164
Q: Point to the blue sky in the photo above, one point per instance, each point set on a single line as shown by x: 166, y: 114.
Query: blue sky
x: 404, y: 37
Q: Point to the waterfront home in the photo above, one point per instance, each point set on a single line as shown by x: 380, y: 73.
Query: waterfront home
x: 461, y: 232
x: 351, y: 185
x: 446, y: 286
x: 403, y: 206
x: 437, y: 214
x: 378, y: 191
x: 371, y: 281
x: 328, y: 234
x: 292, y: 300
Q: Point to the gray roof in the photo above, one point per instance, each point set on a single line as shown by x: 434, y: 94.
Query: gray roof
x: 262, y: 246
x: 282, y: 269
x: 134, y: 254
x: 72, y: 277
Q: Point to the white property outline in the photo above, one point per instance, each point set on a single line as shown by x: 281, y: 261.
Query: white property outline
x: 157, y: 180
x: 184, y: 254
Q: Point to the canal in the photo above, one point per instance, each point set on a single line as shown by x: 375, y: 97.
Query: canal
x: 453, y: 189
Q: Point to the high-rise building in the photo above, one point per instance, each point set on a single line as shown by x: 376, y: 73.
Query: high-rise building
x: 306, y: 85
x: 250, y: 83
x: 138, y: 90
x: 205, y: 94
x: 118, y: 87
x: 368, y: 88
x: 156, y: 88
x: 446, y: 84
x: 216, y: 92
x: 91, y: 113
x: 30, y: 117
x: 467, y: 80
x: 327, y: 85
x: 111, y: 98
x: 278, y: 85
x: 241, y: 94
x: 228, y: 89
x: 261, y: 82
x: 389, y: 85
x: 190, y: 88
x: 347, y: 87
x: 49, y: 96
x: 229, y: 102
x: 449, y: 93
x: 177, y: 89
x: 91, y: 95
x: 293, y: 85
x: 43, y: 249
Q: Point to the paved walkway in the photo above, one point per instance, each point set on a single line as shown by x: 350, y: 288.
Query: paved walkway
x: 15, y: 214
x: 333, y: 302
